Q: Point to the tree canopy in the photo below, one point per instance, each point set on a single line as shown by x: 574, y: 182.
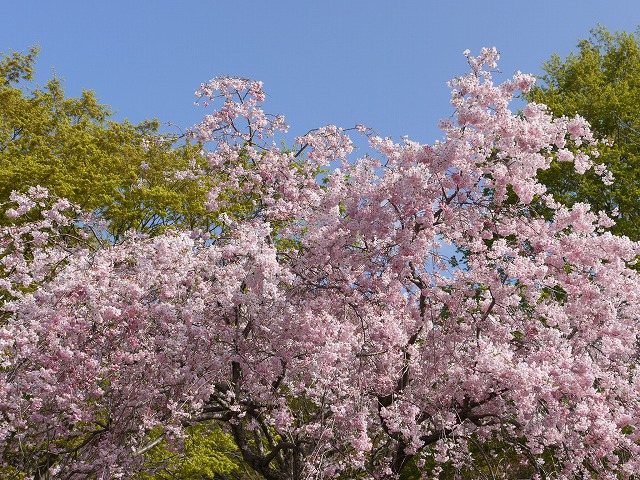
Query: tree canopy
x: 600, y: 82
x: 130, y: 175
x: 324, y: 322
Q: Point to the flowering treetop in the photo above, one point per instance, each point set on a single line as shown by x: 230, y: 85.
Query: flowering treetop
x: 328, y: 324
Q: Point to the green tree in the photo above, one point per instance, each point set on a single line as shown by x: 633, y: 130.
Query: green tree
x: 207, y: 454
x: 601, y: 82
x: 130, y: 175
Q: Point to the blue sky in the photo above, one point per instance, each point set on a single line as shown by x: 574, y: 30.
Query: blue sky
x: 381, y: 63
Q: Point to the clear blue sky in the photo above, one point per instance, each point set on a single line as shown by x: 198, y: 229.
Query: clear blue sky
x: 381, y: 63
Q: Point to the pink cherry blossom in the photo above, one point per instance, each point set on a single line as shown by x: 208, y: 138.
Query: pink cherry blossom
x: 414, y: 307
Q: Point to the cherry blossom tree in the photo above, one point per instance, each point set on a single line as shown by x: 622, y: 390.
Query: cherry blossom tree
x: 423, y: 309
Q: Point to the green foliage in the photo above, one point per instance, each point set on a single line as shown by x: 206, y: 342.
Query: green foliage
x: 12, y: 473
x: 128, y: 174
x: 600, y: 82
x: 208, y: 453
